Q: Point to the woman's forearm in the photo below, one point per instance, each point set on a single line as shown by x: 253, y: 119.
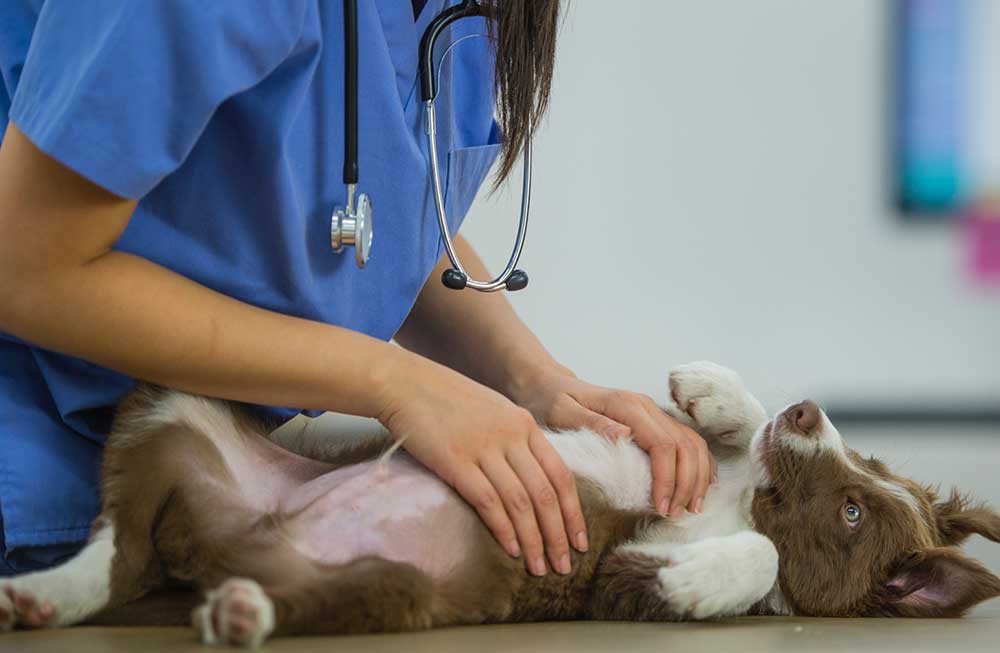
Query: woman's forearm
x: 125, y: 313
x: 475, y: 333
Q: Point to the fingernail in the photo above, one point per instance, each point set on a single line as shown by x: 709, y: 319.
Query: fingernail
x: 677, y: 512
x: 538, y: 568
x: 564, y: 565
x: 664, y: 507
x: 514, y: 549
x: 698, y: 504
x: 581, y: 542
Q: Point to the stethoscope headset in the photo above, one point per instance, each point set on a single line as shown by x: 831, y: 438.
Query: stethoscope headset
x: 352, y: 226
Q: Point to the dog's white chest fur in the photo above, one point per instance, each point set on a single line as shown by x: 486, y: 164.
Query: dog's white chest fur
x: 622, y: 471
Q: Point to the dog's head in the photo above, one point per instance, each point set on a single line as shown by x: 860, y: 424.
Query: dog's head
x: 853, y: 538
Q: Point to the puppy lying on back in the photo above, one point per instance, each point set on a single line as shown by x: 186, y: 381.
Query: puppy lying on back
x: 194, y: 493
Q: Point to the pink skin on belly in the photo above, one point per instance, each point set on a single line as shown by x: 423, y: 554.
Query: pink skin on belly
x: 396, y: 510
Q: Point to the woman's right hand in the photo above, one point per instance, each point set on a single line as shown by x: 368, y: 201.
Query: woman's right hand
x: 493, y: 453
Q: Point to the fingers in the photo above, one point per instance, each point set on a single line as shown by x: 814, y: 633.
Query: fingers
x: 663, y: 447
x: 704, y: 478
x: 681, y: 463
x: 663, y: 460
x: 565, y: 486
x: 686, y: 476
x: 605, y: 426
x: 694, y: 465
x: 520, y: 510
x: 568, y: 413
x: 548, y: 512
x: 481, y: 494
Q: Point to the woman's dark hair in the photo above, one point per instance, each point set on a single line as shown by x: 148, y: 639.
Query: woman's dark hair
x: 524, y: 34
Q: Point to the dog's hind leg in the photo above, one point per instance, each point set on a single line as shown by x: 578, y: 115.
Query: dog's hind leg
x: 62, y: 595
x: 371, y: 595
x: 117, y: 565
x: 145, y: 461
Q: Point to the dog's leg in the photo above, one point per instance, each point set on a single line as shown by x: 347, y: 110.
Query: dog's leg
x: 119, y: 563
x: 145, y: 462
x: 367, y: 596
x: 713, y: 400
x: 62, y: 595
x: 715, y: 577
x: 312, y: 439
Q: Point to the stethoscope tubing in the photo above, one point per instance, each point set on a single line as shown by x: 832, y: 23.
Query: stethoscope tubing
x: 500, y: 281
x: 457, y: 277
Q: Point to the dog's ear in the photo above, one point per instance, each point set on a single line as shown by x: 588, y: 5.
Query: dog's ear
x: 936, y: 582
x: 957, y: 519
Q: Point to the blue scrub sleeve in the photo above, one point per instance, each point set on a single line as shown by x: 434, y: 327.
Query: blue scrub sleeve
x: 121, y: 90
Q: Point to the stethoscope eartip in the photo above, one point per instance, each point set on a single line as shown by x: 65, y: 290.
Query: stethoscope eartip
x: 517, y: 280
x: 454, y: 279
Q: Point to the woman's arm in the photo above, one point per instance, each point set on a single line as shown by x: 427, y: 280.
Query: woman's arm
x: 64, y: 288
x: 476, y: 333
x: 481, y: 336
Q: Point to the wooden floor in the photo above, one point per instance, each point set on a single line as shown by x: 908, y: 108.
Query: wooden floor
x: 978, y: 632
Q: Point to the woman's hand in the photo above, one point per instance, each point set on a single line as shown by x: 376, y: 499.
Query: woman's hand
x: 682, y: 466
x: 493, y: 453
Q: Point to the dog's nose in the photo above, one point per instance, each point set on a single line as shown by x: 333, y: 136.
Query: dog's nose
x: 804, y: 417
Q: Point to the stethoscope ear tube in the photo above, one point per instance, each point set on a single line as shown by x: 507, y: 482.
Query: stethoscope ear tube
x: 428, y: 83
x: 456, y: 277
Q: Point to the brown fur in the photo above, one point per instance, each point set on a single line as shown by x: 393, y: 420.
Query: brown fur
x: 173, y: 528
x: 890, y: 561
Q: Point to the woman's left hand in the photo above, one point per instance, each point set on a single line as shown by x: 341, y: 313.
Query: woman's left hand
x: 682, y: 466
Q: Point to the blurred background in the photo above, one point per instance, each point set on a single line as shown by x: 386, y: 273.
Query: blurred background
x: 797, y: 190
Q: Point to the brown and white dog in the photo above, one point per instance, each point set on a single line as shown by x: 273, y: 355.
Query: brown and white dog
x: 336, y: 539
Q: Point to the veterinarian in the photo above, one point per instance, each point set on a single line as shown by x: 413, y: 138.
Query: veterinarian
x: 167, y: 175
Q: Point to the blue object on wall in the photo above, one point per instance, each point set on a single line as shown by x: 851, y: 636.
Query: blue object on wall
x: 931, y: 174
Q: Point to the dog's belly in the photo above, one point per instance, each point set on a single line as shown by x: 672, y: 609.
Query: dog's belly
x: 396, y: 510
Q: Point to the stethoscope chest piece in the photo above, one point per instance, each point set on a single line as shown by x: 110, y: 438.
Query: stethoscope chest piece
x: 350, y: 227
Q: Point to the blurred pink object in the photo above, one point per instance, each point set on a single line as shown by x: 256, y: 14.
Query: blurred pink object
x: 982, y: 241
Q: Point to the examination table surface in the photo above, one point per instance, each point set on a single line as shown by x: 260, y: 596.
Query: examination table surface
x: 978, y: 632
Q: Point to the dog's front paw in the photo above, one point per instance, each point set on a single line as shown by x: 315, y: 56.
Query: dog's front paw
x: 238, y: 612
x: 717, y: 577
x: 717, y: 403
x: 19, y: 606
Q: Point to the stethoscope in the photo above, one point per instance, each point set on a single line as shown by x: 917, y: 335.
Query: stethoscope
x: 352, y: 225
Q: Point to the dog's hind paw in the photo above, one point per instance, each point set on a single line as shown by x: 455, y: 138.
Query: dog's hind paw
x: 20, y: 607
x: 238, y: 612
x: 713, y: 399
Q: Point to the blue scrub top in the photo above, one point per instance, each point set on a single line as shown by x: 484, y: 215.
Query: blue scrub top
x: 225, y: 121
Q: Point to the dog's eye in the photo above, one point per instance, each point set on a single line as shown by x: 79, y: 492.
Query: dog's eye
x: 852, y: 513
